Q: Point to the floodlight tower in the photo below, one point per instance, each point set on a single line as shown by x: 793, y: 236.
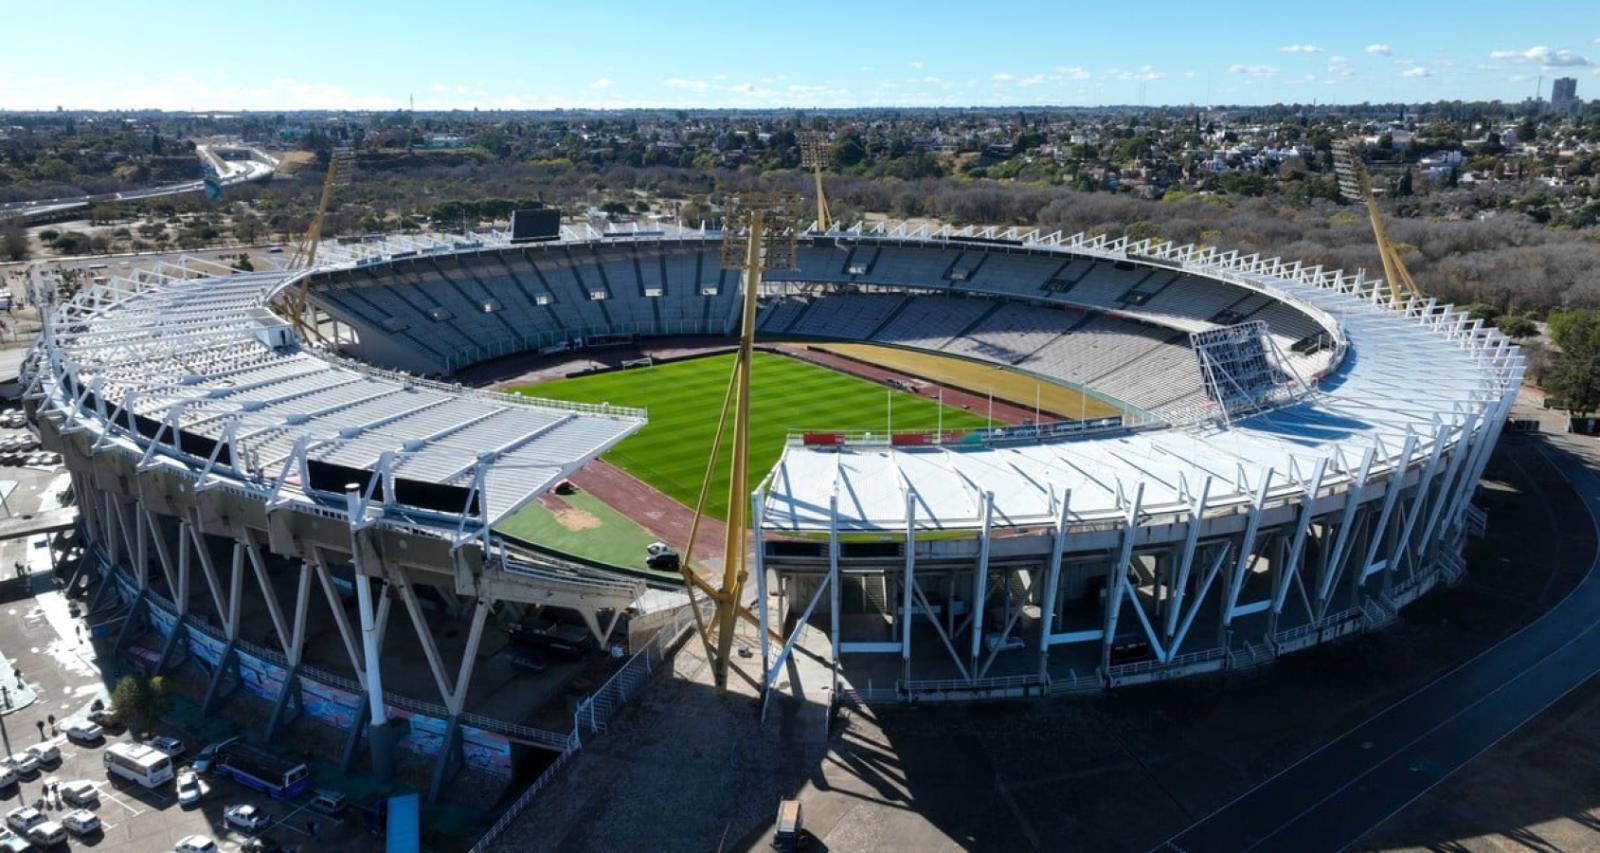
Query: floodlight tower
x: 758, y: 234
x: 295, y: 304
x: 1355, y: 184
x: 813, y: 153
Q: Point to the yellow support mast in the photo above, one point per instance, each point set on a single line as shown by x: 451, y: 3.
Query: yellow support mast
x: 1356, y: 184
x: 759, y: 233
x: 813, y: 153
x: 341, y: 167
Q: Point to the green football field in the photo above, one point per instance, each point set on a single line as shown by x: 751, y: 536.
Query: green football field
x: 685, y: 397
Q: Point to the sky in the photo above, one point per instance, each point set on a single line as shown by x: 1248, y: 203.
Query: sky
x: 498, y: 54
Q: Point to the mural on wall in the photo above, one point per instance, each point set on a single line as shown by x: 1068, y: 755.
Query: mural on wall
x: 263, y: 678
x: 481, y: 750
x: 331, y: 705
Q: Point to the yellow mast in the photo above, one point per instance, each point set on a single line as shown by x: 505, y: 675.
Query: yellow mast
x: 813, y: 153
x: 341, y: 166
x: 758, y: 235
x: 1355, y: 183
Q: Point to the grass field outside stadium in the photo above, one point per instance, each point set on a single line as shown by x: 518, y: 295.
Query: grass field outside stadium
x: 685, y: 397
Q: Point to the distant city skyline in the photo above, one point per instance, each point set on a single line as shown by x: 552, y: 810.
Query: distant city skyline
x: 490, y: 54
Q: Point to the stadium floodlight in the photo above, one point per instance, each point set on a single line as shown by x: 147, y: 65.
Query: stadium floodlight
x: 1355, y: 185
x: 759, y: 234
x: 763, y: 222
x: 813, y: 156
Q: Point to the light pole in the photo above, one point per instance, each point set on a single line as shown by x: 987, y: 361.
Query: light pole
x: 5, y: 696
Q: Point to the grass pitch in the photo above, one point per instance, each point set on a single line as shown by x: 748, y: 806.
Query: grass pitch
x: 685, y: 397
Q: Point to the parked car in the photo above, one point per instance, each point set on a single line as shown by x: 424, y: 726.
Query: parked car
x: 80, y: 792
x: 208, y: 754
x: 195, y: 844
x: 80, y: 731
x: 23, y: 762
x: 23, y: 818
x: 105, y: 715
x: 246, y: 817
x: 47, y: 834
x: 46, y: 753
x: 789, y: 833
x: 10, y: 842
x: 1004, y: 644
x: 173, y: 747
x: 188, y: 787
x: 81, y: 822
x: 8, y: 777
x: 330, y: 803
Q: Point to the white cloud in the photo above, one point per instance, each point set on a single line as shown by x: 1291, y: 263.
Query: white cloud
x: 602, y: 83
x: 1253, y: 70
x: 1147, y: 72
x: 690, y: 85
x: 1547, y: 57
x: 866, y: 68
x: 916, y: 65
x: 1300, y: 48
x: 1415, y: 71
x: 1379, y: 49
x: 1339, y: 60
x: 1031, y: 81
x: 1002, y: 77
x: 933, y: 80
x: 1073, y: 72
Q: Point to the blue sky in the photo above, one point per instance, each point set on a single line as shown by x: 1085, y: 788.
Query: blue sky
x: 492, y: 54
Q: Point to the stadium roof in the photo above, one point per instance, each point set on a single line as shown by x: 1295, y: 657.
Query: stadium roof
x: 1415, y: 372
x: 202, y: 354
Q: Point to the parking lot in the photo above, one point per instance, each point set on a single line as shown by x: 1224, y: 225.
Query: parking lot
x: 51, y: 674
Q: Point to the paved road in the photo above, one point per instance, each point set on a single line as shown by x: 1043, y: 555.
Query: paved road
x: 1331, y: 798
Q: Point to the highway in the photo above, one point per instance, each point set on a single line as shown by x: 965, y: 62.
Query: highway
x: 1331, y: 798
x: 229, y: 172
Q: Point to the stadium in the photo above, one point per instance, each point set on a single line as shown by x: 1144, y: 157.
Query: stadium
x: 1239, y: 458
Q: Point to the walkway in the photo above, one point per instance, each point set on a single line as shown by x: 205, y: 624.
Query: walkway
x: 1331, y: 798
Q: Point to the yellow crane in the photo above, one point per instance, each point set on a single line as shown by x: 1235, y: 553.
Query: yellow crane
x: 295, y: 304
x: 1355, y: 184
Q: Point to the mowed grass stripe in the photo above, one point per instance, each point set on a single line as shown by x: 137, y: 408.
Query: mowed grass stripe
x: 685, y: 397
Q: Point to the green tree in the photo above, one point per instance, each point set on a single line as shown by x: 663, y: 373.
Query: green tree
x: 137, y: 700
x: 1516, y: 325
x: 1574, y: 376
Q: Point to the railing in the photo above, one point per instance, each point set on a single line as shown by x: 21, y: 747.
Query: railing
x: 1075, y: 682
x: 965, y: 685
x: 516, y: 808
x: 1125, y: 670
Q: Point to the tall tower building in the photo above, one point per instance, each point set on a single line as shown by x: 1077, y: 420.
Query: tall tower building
x: 1564, y: 96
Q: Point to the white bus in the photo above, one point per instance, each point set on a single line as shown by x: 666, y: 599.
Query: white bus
x: 143, y: 764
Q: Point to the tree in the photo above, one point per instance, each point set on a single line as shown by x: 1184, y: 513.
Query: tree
x: 137, y: 700
x: 1516, y: 325
x: 1574, y: 376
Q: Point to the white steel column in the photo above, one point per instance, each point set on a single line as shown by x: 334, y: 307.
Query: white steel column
x: 1117, y: 576
x: 1180, y: 587
x: 762, y: 607
x: 1047, y: 608
x: 980, y: 582
x: 909, y: 577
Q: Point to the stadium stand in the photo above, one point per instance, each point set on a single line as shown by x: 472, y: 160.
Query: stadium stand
x: 1115, y: 325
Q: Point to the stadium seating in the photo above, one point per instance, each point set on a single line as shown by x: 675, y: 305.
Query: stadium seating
x: 439, y: 314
